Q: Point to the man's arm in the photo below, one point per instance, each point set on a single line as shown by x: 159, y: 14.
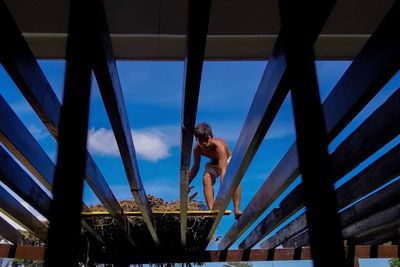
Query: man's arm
x: 196, y: 164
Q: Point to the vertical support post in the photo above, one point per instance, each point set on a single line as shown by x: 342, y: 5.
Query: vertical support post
x: 65, y: 226
x: 314, y: 162
x: 198, y: 16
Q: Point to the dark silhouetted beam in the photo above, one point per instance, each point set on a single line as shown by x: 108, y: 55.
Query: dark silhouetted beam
x: 19, y: 214
x: 270, y: 94
x: 196, y: 37
x: 64, y: 232
x: 312, y: 144
x: 106, y: 72
x: 376, y: 63
x: 8, y: 232
x: 23, y: 68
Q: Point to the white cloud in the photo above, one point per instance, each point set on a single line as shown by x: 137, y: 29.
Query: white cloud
x: 102, y: 142
x: 149, y: 144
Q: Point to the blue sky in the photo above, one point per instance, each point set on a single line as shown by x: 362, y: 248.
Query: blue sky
x: 153, y: 96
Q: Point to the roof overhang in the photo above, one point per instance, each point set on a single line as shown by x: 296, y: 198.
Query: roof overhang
x: 155, y: 29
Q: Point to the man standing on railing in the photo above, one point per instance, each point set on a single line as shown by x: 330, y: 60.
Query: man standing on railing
x: 219, y: 154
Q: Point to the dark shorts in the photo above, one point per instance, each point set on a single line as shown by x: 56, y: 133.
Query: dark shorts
x: 213, y: 169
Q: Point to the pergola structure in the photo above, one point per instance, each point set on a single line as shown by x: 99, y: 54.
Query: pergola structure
x: 290, y: 34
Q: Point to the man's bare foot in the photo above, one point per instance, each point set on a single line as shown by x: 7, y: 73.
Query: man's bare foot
x: 237, y: 215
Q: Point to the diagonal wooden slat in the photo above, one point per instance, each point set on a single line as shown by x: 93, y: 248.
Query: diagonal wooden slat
x: 370, y: 224
x: 196, y: 37
x: 105, y: 69
x: 19, y: 214
x: 23, y: 68
x: 365, y: 77
x: 19, y: 181
x: 270, y: 94
x: 18, y: 140
x: 64, y: 232
x: 381, y: 171
x: 381, y: 235
x: 368, y: 135
x: 377, y: 174
x: 8, y: 232
x: 16, y: 137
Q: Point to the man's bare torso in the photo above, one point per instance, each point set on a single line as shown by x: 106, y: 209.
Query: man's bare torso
x: 211, y: 151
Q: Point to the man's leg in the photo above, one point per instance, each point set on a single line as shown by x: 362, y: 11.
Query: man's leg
x: 208, y: 189
x: 236, y: 202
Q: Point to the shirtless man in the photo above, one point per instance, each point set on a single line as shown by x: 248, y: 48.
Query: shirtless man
x: 219, y: 154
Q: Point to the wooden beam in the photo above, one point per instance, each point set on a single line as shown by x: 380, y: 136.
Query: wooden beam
x: 64, y: 232
x: 362, y: 143
x: 23, y: 145
x: 387, y: 234
x: 196, y: 37
x: 312, y: 144
x: 8, y: 232
x: 37, y: 253
x: 13, y: 176
x: 370, y: 205
x: 373, y: 222
x: 17, y: 139
x: 382, y: 45
x: 105, y: 69
x: 18, y: 60
x: 366, y: 137
x: 270, y: 95
x: 19, y: 214
x: 360, y: 185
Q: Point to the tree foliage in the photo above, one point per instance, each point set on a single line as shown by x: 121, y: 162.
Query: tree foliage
x: 394, y: 262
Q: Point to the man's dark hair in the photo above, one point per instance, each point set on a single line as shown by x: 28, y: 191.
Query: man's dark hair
x: 202, y: 131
